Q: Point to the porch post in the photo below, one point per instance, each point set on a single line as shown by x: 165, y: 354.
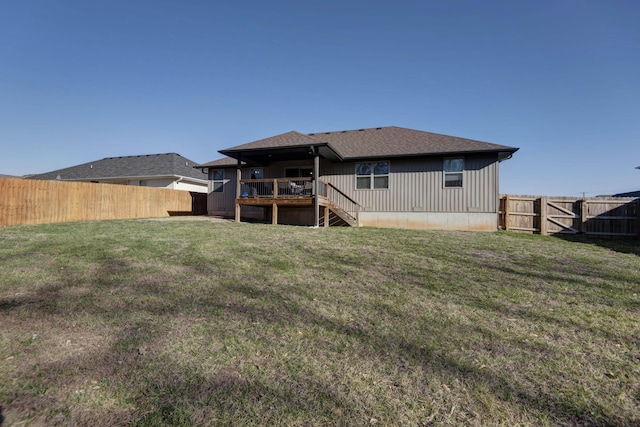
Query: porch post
x: 274, y: 214
x: 239, y: 177
x: 316, y: 175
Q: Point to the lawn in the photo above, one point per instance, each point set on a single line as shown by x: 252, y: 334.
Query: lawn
x: 147, y: 322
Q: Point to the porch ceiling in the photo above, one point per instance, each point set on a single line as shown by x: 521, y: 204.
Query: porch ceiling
x: 265, y: 156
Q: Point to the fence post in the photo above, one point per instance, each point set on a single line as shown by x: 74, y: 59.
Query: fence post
x: 505, y: 212
x: 584, y: 215
x: 543, y: 216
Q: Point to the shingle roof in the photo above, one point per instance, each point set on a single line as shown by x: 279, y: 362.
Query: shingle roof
x: 390, y: 141
x: 289, y: 139
x: 393, y: 141
x: 148, y: 166
x: 628, y: 194
x: 224, y: 162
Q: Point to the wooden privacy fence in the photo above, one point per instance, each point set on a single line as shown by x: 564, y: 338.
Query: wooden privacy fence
x: 24, y: 201
x: 596, y: 216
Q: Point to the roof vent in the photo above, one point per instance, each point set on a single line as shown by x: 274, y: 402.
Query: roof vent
x: 360, y: 130
x: 378, y: 128
x: 311, y: 134
x: 327, y: 133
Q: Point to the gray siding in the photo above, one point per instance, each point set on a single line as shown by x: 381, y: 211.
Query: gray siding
x: 223, y: 203
x: 417, y: 186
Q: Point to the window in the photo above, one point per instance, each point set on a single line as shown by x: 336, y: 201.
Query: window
x: 143, y: 183
x: 256, y: 173
x: 453, y: 172
x: 217, y: 176
x: 372, y: 175
x: 298, y: 172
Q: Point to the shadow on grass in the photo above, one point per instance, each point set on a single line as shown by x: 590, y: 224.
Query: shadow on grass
x: 162, y: 391
x: 630, y: 245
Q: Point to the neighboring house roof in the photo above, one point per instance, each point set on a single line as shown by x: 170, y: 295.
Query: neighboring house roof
x: 9, y: 176
x: 382, y: 142
x: 143, y: 166
x: 629, y: 194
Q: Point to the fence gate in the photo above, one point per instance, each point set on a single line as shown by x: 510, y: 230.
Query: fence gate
x: 613, y: 217
x: 559, y: 216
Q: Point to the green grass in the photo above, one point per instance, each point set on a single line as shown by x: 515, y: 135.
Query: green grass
x: 180, y: 322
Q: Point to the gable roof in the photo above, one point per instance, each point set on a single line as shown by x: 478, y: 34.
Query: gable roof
x: 143, y: 166
x: 382, y: 142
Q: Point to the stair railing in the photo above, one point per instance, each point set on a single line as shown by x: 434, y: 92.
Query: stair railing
x: 340, y: 200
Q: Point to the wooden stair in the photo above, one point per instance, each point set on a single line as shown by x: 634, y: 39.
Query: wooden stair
x: 338, y: 217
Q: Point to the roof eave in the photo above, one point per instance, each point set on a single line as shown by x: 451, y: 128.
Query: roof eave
x: 503, y: 154
x: 124, y: 178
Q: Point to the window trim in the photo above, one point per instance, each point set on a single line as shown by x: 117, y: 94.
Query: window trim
x: 446, y: 173
x: 214, y: 181
x: 372, y: 175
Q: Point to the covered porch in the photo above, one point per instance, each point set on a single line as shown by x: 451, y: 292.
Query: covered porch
x: 308, y: 194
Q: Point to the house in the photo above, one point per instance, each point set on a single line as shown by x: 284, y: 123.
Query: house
x: 382, y: 177
x: 168, y: 170
x: 630, y: 193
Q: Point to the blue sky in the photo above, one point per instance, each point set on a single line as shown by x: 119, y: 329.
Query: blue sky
x: 82, y: 80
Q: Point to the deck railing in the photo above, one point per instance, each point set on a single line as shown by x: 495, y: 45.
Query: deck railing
x: 277, y: 188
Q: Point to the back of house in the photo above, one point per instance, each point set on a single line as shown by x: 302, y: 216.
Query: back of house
x: 381, y: 177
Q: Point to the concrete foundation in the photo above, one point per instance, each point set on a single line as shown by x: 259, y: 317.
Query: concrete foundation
x: 469, y: 221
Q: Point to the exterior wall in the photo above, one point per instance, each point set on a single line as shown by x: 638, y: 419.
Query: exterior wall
x: 223, y: 203
x: 416, y: 197
x: 157, y: 183
x: 417, y: 185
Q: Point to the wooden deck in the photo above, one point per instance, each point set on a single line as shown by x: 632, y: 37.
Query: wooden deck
x: 273, y: 193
